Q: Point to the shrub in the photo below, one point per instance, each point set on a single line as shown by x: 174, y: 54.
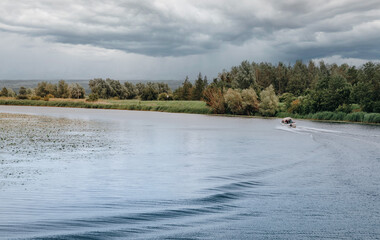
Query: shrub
x: 356, y: 108
x: 269, y: 102
x: 46, y: 98
x: 234, y: 101
x: 347, y: 108
x: 355, y: 117
x: 215, y: 99
x: 339, y: 116
x: 35, y: 98
x: 250, y: 102
x: 323, y: 115
x: 93, y: 97
x: 22, y: 97
x: 295, y: 106
x: 165, y: 97
x: 372, y: 118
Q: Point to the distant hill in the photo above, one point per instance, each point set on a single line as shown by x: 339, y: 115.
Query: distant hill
x: 16, y: 84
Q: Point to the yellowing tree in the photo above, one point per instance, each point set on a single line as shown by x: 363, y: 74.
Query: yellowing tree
x: 269, y: 102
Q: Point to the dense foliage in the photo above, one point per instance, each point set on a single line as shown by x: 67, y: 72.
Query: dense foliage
x: 47, y: 90
x: 307, y: 88
x: 110, y: 88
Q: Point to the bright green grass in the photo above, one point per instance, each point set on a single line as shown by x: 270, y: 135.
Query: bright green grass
x: 198, y: 107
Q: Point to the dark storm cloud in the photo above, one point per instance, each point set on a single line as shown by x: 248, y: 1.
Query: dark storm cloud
x: 297, y: 29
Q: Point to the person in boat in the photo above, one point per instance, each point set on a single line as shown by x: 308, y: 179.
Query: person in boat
x: 287, y: 120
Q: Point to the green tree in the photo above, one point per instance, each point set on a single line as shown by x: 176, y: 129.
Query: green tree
x: 269, y: 102
x: 63, y: 89
x: 51, y: 89
x: 140, y: 88
x: 287, y: 99
x: 4, y: 92
x: 11, y: 93
x: 298, y: 80
x: 245, y: 76
x: 224, y: 80
x: 234, y: 101
x: 130, y: 90
x: 163, y: 88
x: 30, y: 92
x: 22, y: 91
x: 45, y: 88
x: 265, y: 75
x: 312, y: 75
x: 338, y: 92
x: 150, y: 92
x: 41, y: 89
x: 75, y: 90
x: 281, y: 81
x: 199, y: 86
x: 101, y: 88
x: 250, y: 102
x: 362, y: 94
x: 352, y: 75
x: 114, y: 89
x: 185, y: 91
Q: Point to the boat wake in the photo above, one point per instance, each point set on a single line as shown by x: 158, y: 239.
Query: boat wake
x: 317, y: 130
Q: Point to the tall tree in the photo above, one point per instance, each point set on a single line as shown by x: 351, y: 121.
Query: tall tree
x: 298, y: 79
x: 281, y: 81
x: 199, y: 86
x: 245, y: 76
x: 185, y: 91
x: 63, y: 89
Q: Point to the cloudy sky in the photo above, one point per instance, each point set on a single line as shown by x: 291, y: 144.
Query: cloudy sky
x: 169, y: 39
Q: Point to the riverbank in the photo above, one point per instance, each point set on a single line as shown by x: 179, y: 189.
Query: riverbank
x: 195, y: 107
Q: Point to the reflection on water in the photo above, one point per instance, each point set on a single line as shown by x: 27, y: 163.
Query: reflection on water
x: 103, y: 174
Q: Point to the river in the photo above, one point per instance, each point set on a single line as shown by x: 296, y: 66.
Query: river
x: 110, y: 174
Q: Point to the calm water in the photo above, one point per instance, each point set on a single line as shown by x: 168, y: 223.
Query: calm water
x: 108, y: 174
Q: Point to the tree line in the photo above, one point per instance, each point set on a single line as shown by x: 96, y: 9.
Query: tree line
x: 301, y: 88
x: 110, y: 88
x: 249, y: 88
x: 47, y: 90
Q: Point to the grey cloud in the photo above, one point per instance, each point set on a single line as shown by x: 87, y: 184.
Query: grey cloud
x: 180, y: 28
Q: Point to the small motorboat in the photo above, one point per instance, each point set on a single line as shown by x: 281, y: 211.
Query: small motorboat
x: 289, y: 122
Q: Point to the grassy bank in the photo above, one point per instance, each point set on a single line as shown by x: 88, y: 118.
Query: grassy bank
x: 198, y: 107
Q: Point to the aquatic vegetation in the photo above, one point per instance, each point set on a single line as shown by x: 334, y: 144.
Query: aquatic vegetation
x: 25, y: 137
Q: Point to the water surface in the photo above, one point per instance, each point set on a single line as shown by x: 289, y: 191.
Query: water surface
x: 109, y: 174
